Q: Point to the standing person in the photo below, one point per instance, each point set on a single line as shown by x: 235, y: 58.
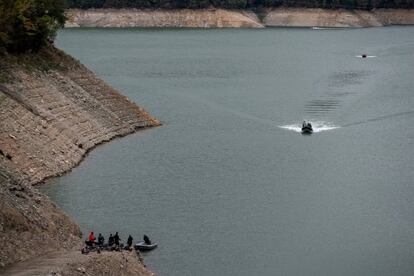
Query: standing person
x: 91, y: 239
x: 147, y: 240
x: 110, y: 240
x: 116, y: 239
x: 101, y: 240
x: 129, y: 241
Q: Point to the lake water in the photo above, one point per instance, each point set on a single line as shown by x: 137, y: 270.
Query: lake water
x: 228, y: 186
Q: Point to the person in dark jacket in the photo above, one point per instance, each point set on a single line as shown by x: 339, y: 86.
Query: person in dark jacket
x: 147, y: 240
x: 116, y: 239
x: 101, y: 240
x: 110, y: 240
x: 129, y: 241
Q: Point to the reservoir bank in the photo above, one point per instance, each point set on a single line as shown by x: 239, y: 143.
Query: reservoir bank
x: 53, y: 112
x: 221, y: 18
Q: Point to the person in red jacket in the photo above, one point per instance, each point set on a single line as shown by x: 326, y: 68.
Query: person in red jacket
x: 91, y: 239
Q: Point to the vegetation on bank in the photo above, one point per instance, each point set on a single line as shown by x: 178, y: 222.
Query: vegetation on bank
x: 195, y: 4
x: 29, y: 24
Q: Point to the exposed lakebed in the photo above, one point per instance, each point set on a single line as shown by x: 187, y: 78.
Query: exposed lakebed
x: 224, y: 186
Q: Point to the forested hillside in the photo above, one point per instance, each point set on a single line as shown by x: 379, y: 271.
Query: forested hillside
x: 172, y: 4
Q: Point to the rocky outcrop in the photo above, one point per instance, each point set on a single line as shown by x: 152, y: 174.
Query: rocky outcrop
x: 208, y: 18
x: 290, y: 17
x: 53, y: 110
x: 217, y: 18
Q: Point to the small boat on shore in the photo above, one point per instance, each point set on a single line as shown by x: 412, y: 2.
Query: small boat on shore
x: 307, y: 128
x: 142, y: 246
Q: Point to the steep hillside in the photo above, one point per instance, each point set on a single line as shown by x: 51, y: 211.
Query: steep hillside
x: 53, y: 110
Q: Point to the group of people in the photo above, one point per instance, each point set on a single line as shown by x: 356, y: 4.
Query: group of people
x: 113, y: 240
x: 304, y: 124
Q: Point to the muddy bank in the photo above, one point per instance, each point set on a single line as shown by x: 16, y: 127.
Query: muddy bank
x: 218, y: 18
x: 53, y: 110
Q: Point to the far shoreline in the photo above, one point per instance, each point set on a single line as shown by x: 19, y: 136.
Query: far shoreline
x: 221, y: 18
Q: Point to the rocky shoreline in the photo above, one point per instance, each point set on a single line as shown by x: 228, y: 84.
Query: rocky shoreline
x: 220, y: 18
x: 53, y: 110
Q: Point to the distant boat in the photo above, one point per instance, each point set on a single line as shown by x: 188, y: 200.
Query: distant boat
x: 365, y: 56
x: 307, y: 128
x: 142, y: 246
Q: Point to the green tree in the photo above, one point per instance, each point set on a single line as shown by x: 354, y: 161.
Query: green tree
x: 6, y: 22
x: 29, y: 24
x: 169, y: 4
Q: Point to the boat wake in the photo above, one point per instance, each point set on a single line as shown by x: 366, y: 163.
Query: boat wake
x: 327, y: 28
x: 360, y: 56
x: 317, y: 127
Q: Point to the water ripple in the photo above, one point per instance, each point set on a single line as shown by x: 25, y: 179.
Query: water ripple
x: 321, y: 106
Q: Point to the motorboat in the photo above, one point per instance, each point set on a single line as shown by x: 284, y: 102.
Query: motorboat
x: 142, y: 246
x: 307, y: 128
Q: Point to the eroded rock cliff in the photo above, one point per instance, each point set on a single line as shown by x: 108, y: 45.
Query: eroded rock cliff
x: 207, y: 18
x: 53, y: 110
x: 50, y: 117
x: 300, y: 17
x: 217, y: 18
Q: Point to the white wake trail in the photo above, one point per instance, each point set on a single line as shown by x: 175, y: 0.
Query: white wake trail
x: 318, y: 126
x: 360, y: 56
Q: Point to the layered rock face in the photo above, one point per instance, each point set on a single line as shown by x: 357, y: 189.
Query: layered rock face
x: 208, y: 18
x: 50, y: 118
x: 52, y: 111
x: 218, y: 18
x: 337, y: 18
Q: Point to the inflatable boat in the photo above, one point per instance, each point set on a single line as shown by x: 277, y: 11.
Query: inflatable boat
x: 142, y: 246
